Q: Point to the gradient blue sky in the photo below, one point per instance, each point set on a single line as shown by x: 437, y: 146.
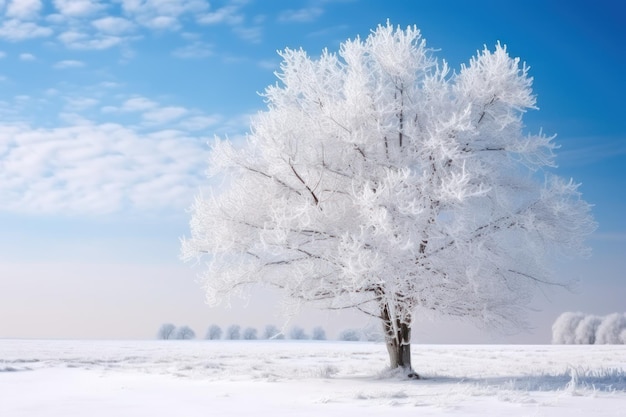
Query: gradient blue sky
x: 107, y: 106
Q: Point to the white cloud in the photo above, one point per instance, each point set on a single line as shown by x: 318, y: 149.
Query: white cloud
x: 164, y: 114
x: 162, y: 23
x: 113, y: 25
x: 68, y: 63
x: 15, y: 30
x: 77, y: 8
x: 93, y: 169
x: 27, y: 57
x: 268, y: 64
x: 2, y: 54
x: 301, y: 15
x: 80, y: 103
x: 78, y: 40
x: 138, y: 104
x: 194, y: 50
x: 162, y: 14
x: 252, y: 34
x: 24, y: 9
x: 229, y: 15
x: 200, y: 122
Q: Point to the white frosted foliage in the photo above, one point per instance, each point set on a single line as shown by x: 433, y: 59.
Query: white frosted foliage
x: 380, y: 180
x: 564, y: 328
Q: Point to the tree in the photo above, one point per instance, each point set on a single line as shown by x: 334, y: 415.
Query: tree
x: 586, y: 330
x: 185, y: 333
x: 564, y: 328
x: 272, y: 332
x: 249, y: 333
x: 214, y: 332
x: 380, y: 181
x: 349, y: 335
x: 610, y: 329
x: 297, y: 333
x: 233, y: 332
x: 318, y: 333
x: 167, y: 331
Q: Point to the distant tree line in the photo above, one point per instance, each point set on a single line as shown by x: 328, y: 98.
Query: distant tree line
x: 586, y: 329
x: 169, y: 331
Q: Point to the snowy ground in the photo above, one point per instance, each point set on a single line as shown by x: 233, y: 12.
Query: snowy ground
x: 283, y: 378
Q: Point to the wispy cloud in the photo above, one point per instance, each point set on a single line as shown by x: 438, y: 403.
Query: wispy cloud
x: 232, y: 15
x: 27, y: 57
x: 97, y: 168
x: 229, y: 15
x: 163, y: 14
x: 195, y: 123
x: 590, y: 150
x: 23, y: 9
x: 68, y: 63
x: 113, y: 25
x: 16, y: 30
x: 164, y: 115
x: 197, y: 49
x: 301, y: 15
x: 78, y: 8
x: 78, y: 40
x: 138, y: 104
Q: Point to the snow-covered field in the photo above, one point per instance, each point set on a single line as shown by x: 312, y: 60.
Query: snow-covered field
x: 285, y: 378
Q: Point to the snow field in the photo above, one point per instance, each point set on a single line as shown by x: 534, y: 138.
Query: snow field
x: 287, y: 378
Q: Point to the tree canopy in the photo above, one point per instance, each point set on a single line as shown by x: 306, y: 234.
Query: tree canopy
x: 377, y: 179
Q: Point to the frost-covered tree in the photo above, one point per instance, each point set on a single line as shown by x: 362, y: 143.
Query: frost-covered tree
x: 564, y: 328
x: 185, y: 333
x: 249, y: 333
x: 214, y: 332
x: 167, y: 331
x: 350, y: 335
x: 379, y: 180
x: 297, y: 333
x: 586, y: 330
x: 233, y: 332
x: 610, y: 330
x: 272, y: 332
x: 318, y: 333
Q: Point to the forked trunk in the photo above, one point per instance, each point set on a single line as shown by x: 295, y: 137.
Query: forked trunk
x: 398, y: 340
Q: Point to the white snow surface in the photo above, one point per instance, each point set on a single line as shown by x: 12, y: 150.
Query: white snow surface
x: 304, y: 378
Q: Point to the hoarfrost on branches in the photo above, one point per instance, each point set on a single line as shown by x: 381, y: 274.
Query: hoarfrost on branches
x: 381, y: 181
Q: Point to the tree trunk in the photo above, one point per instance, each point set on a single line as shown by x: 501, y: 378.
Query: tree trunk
x: 398, y: 340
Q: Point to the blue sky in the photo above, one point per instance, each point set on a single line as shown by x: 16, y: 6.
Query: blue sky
x: 107, y: 106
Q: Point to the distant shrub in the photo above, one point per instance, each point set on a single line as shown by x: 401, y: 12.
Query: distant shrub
x: 185, y: 333
x: 214, y: 332
x: 249, y: 333
x: 350, y: 335
x: 233, y: 332
x: 167, y: 331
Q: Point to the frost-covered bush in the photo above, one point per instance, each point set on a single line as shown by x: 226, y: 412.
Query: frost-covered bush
x: 578, y: 328
x: 214, y: 332
x: 564, y: 328
x: 233, y: 332
x: 272, y: 332
x: 350, y: 335
x: 298, y: 333
x: 585, y: 333
x: 167, y: 331
x: 185, y: 333
x: 611, y: 328
x: 318, y: 333
x: 249, y: 333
